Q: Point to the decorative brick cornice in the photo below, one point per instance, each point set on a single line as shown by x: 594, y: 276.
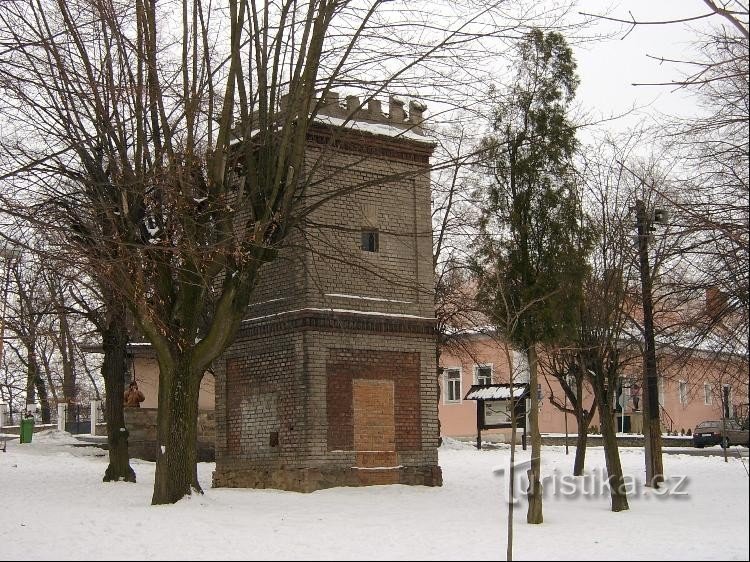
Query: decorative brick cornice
x: 362, y: 143
x: 337, y: 321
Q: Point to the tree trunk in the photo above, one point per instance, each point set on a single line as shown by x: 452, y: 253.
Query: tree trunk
x: 114, y: 371
x: 35, y: 386
x: 651, y: 422
x: 176, y: 456
x: 652, y: 437
x: 41, y: 389
x: 196, y: 483
x: 511, y: 476
x: 534, y: 513
x: 67, y: 353
x: 583, y: 420
x: 583, y: 427
x: 30, y: 376
x: 618, y: 493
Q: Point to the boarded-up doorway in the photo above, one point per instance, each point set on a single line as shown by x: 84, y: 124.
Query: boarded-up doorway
x: 374, y: 424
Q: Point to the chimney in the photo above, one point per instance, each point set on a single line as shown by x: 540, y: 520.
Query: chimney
x: 396, y: 111
x: 330, y: 105
x: 375, y: 110
x: 416, y: 111
x: 352, y: 107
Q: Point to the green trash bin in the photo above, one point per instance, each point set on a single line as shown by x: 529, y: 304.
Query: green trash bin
x: 27, y: 429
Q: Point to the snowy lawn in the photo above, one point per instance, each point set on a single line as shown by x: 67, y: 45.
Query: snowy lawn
x: 53, y: 505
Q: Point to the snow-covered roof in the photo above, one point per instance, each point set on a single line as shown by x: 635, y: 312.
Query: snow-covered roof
x: 694, y: 339
x: 381, y: 129
x: 495, y: 391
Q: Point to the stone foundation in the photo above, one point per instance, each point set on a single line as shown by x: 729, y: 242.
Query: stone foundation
x: 142, y: 443
x: 312, y: 479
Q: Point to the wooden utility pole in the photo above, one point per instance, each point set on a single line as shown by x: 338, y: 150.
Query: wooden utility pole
x: 651, y: 422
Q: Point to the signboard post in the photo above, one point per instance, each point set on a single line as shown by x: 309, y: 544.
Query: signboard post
x: 480, y: 409
x: 494, y: 405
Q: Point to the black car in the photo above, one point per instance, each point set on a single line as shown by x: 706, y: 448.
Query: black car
x: 709, y: 433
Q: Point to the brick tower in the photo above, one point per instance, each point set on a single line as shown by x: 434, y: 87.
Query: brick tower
x: 332, y: 378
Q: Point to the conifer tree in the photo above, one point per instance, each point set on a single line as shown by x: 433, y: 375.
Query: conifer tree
x: 531, y: 257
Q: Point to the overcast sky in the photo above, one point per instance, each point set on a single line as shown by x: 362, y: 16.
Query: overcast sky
x: 609, y: 68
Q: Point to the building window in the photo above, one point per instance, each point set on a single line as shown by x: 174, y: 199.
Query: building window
x: 483, y: 374
x: 682, y: 391
x: 707, y: 395
x: 370, y: 242
x: 452, y: 385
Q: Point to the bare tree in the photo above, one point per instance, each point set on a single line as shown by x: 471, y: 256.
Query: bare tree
x: 562, y: 366
x: 710, y: 151
x: 25, y: 319
x: 170, y: 146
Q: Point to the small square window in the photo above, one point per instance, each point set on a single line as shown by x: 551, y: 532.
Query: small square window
x: 370, y: 242
x: 483, y: 374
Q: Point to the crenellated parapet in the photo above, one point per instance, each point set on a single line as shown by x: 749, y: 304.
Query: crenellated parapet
x: 351, y: 108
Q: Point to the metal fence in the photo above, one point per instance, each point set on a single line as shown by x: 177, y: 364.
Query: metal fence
x: 78, y: 418
x: 14, y: 418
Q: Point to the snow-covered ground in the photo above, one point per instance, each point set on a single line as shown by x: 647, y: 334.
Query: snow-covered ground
x: 53, y: 505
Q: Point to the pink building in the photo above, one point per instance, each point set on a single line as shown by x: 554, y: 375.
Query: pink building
x: 689, y: 390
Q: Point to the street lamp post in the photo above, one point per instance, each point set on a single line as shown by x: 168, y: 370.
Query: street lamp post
x: 651, y: 423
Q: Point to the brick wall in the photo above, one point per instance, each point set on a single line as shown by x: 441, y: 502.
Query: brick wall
x: 316, y: 445
x: 281, y: 281
x: 332, y: 378
x: 259, y: 414
x: 326, y: 266
x: 396, y: 279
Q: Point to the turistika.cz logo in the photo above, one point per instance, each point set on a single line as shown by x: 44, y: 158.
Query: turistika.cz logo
x: 592, y: 484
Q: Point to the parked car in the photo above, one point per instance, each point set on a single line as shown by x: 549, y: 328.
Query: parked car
x: 710, y: 433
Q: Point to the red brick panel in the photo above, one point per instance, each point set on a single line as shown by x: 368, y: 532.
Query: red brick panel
x: 234, y: 371
x: 347, y: 365
x: 339, y: 407
x: 408, y: 405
